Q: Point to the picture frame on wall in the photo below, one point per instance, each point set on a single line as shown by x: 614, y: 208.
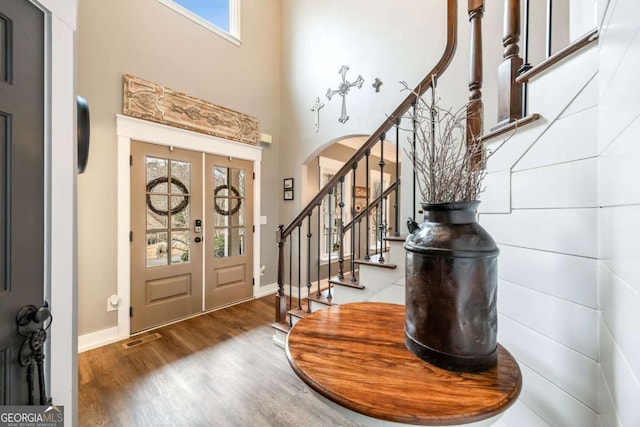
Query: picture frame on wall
x: 361, y: 192
x: 288, y: 184
x: 288, y: 194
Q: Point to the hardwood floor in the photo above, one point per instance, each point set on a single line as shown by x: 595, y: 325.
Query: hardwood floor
x: 218, y: 369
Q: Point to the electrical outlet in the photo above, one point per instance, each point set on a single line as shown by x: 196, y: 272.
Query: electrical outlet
x: 112, y: 303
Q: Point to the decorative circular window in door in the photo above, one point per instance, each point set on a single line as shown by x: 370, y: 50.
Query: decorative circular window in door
x: 229, y: 205
x: 151, y: 185
x: 222, y: 210
x: 168, y: 205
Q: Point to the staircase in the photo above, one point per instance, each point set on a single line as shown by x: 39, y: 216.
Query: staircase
x: 378, y: 282
x: 373, y: 274
x: 531, y: 257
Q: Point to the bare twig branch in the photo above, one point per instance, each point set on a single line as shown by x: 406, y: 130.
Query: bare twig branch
x: 447, y: 169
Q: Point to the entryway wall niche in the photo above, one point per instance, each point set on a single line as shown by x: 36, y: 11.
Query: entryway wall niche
x: 129, y: 129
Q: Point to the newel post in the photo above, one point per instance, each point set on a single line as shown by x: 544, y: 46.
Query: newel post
x: 281, y: 299
x: 510, y: 91
x: 475, y: 108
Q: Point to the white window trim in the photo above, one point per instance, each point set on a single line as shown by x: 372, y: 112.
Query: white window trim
x: 332, y: 165
x: 234, y: 20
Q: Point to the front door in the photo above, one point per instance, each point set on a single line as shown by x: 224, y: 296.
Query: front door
x: 182, y: 230
x: 21, y: 182
x: 166, y: 241
x: 229, y: 218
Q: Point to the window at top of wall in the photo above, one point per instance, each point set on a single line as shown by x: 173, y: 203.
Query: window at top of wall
x: 219, y: 16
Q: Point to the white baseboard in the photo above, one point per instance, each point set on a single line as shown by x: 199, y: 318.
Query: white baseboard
x: 97, y: 339
x: 265, y: 290
x: 110, y: 335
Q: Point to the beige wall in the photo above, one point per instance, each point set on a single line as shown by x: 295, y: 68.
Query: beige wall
x: 394, y: 41
x: 147, y: 39
x: 290, y: 54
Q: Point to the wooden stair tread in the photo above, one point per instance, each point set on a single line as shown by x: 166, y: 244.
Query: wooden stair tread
x: 374, y: 261
x: 323, y: 298
x: 400, y: 238
x: 282, y: 327
x: 299, y: 313
x: 346, y: 281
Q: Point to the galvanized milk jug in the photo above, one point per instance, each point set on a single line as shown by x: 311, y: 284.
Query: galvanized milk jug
x: 451, y: 286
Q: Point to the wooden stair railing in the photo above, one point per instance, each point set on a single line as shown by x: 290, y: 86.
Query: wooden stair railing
x: 283, y: 232
x: 515, y: 72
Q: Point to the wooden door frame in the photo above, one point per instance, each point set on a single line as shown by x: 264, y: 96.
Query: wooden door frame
x: 128, y: 129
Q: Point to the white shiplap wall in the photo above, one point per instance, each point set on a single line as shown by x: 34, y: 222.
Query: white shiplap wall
x: 619, y: 219
x: 563, y: 202
x: 541, y: 206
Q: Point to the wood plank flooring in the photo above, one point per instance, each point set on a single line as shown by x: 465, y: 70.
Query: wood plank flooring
x: 218, y: 369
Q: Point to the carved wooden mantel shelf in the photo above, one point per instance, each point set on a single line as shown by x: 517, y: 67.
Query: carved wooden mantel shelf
x: 355, y: 356
x: 150, y: 101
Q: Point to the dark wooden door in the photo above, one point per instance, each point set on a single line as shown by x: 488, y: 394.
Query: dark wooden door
x: 21, y: 181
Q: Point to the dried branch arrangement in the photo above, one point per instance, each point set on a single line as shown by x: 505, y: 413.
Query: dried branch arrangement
x: 447, y: 170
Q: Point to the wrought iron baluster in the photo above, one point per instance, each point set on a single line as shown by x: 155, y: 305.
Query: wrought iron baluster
x: 396, y: 205
x: 413, y: 148
x: 549, y: 29
x: 360, y: 238
x: 281, y: 302
x: 353, y: 225
x: 330, y: 248
x: 366, y: 249
x: 341, y: 232
x: 290, y: 280
x: 299, y: 265
x: 309, y: 235
x: 386, y: 225
x: 381, y: 225
x: 318, y: 293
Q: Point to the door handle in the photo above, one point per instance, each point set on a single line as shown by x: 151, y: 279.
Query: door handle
x: 31, y: 314
x: 32, y: 324
x: 198, y: 239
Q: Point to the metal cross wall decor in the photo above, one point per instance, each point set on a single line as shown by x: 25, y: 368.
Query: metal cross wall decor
x: 376, y: 84
x: 316, y: 109
x: 343, y: 90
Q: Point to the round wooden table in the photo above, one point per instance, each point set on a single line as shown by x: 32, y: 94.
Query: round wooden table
x: 355, y: 356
